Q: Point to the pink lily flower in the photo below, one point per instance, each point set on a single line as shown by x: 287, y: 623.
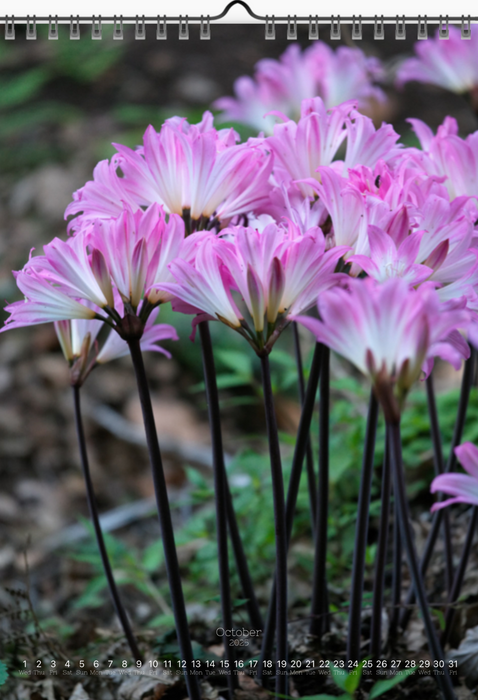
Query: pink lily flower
x: 350, y: 211
x: 449, y: 156
x: 43, y: 303
x: 282, y: 85
x: 451, y: 64
x: 277, y: 272
x: 299, y: 149
x: 204, y: 285
x: 136, y: 249
x: 188, y: 169
x: 110, y: 272
x: 287, y: 203
x: 366, y: 146
x: 103, y: 197
x: 463, y: 488
x: 387, y: 260
x: 389, y: 332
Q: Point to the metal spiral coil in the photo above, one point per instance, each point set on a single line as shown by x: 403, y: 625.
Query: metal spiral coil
x: 270, y: 23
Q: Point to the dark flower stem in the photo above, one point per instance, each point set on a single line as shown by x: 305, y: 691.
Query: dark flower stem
x: 397, y: 575
x: 466, y: 384
x: 252, y: 605
x: 292, y: 492
x: 319, y: 606
x: 220, y: 491
x: 459, y: 576
x: 164, y: 513
x: 439, y: 469
x: 309, y: 457
x: 120, y: 611
x: 381, y: 557
x: 361, y: 533
x: 443, y: 680
x: 280, y: 530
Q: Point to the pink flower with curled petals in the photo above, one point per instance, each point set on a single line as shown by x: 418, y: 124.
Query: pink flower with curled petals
x: 110, y: 271
x: 286, y: 203
x: 103, y: 196
x: 202, y: 285
x: 389, y: 332
x: 350, y: 211
x: 366, y: 145
x: 299, y: 149
x: 449, y: 156
x: 282, y: 85
x: 451, y: 63
x: 387, y: 260
x: 72, y: 333
x: 276, y: 271
x: 462, y: 488
x: 43, y: 303
x: 190, y: 170
x: 136, y: 249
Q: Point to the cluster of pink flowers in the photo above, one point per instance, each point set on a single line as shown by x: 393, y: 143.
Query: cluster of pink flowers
x: 450, y: 63
x: 281, y: 86
x: 254, y: 234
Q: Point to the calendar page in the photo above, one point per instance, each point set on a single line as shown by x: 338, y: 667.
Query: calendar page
x: 238, y: 403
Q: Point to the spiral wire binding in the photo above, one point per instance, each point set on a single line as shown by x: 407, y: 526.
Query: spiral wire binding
x: 53, y: 28
x: 422, y: 32
x: 400, y: 28
x: 378, y: 29
x: 205, y: 28
x: 335, y: 31
x: 118, y: 29
x: 183, y: 28
x: 10, y: 27
x: 292, y: 28
x: 161, y: 28
x: 313, y: 28
x: 443, y: 30
x: 357, y: 29
x: 31, y: 32
x: 140, y: 28
x: 269, y: 21
x: 270, y: 30
x: 96, y: 31
x: 74, y: 28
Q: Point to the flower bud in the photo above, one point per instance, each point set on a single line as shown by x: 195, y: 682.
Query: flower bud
x: 102, y: 275
x: 256, y: 295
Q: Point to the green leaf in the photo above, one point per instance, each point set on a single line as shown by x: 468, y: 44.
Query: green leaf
x: 23, y: 87
x: 326, y: 697
x: 441, y: 617
x: 223, y: 381
x: 3, y: 673
x: 347, y: 681
x: 339, y: 676
x: 322, y: 696
x: 382, y: 687
x: 239, y: 362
